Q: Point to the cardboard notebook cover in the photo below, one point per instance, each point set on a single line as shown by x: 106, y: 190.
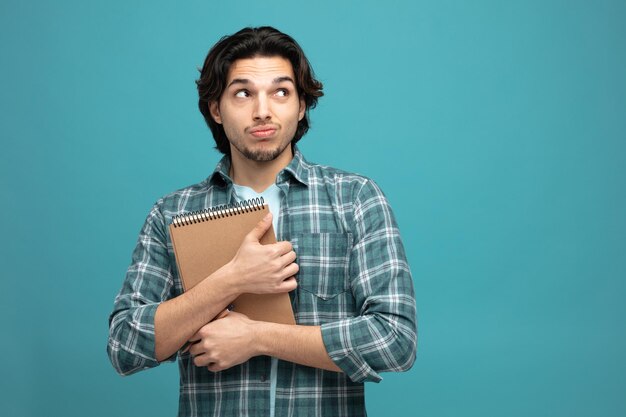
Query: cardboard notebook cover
x: 203, y: 244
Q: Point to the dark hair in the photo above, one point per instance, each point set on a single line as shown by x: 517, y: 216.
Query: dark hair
x: 247, y: 43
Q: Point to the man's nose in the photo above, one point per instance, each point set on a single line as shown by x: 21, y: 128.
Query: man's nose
x: 262, y: 108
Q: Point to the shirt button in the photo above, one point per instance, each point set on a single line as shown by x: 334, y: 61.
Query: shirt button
x: 263, y: 378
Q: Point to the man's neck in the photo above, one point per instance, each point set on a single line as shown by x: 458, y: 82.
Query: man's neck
x: 257, y: 175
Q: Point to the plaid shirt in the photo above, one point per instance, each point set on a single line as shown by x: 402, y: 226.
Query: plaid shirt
x: 354, y: 282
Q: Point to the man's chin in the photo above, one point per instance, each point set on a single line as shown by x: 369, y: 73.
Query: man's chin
x: 262, y: 155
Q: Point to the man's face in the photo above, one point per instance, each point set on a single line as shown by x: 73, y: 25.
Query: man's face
x: 260, y: 108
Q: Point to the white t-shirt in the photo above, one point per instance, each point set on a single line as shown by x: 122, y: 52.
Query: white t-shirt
x: 271, y: 196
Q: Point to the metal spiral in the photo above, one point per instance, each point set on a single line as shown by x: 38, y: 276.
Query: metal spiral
x: 218, y: 212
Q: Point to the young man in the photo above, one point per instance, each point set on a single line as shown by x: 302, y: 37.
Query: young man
x: 339, y: 255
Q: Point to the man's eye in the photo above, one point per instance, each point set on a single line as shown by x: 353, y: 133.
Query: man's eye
x: 242, y: 94
x: 282, y: 92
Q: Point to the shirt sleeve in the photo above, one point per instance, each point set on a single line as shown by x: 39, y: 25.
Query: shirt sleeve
x: 148, y: 282
x: 383, y: 336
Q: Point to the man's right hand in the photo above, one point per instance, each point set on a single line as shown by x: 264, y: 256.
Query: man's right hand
x: 263, y: 269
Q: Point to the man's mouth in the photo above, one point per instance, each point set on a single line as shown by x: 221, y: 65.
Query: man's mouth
x: 263, y: 131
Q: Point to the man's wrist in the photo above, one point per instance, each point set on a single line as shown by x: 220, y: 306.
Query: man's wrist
x: 260, y: 337
x: 230, y: 280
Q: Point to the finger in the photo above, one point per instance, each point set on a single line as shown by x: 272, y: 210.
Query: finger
x: 290, y: 270
x: 283, y: 247
x: 288, y: 258
x: 289, y: 284
x: 189, y: 345
x: 195, y: 349
x: 214, y: 367
x: 201, y: 360
x: 259, y: 230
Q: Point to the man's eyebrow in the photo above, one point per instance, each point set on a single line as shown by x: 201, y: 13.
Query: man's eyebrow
x: 276, y: 80
x: 279, y: 80
x: 239, y: 81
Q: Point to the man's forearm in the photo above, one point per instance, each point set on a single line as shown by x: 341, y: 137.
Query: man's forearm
x: 176, y: 320
x: 293, y: 343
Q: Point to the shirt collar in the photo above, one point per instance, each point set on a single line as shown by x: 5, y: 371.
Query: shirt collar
x: 297, y: 169
x: 220, y: 175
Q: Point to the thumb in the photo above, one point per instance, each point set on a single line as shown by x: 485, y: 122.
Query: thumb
x: 259, y: 230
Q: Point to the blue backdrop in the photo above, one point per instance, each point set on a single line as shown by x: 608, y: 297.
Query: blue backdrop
x: 495, y: 128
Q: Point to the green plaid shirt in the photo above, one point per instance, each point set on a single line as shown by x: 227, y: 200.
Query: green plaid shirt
x: 354, y: 282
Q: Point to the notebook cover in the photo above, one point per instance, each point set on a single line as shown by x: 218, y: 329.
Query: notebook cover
x: 204, y: 247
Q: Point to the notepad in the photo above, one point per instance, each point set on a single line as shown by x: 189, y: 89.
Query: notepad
x: 206, y: 240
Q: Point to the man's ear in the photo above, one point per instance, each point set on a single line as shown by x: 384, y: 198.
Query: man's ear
x: 302, y: 109
x: 214, y: 109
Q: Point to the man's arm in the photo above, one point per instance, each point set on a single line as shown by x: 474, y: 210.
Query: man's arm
x: 235, y: 338
x: 145, y: 329
x: 383, y: 336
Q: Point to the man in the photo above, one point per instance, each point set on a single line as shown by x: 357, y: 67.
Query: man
x: 339, y: 256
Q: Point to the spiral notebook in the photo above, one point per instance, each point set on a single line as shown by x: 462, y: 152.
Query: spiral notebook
x: 206, y: 240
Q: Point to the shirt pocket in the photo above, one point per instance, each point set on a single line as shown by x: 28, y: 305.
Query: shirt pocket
x: 323, y: 292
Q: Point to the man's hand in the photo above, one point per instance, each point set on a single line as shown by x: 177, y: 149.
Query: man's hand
x: 263, y: 269
x: 224, y: 343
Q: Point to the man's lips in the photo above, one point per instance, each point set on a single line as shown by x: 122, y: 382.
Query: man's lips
x: 263, y: 131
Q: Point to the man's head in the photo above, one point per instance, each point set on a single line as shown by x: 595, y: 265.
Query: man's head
x: 234, y: 50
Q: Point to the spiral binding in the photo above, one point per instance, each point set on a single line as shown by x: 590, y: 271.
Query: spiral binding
x: 218, y: 212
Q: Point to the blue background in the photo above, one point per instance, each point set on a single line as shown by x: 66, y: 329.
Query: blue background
x: 495, y: 128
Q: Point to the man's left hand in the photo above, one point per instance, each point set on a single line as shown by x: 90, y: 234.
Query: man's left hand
x: 224, y: 343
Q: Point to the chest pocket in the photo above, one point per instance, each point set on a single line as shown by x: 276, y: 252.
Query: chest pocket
x: 323, y: 292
